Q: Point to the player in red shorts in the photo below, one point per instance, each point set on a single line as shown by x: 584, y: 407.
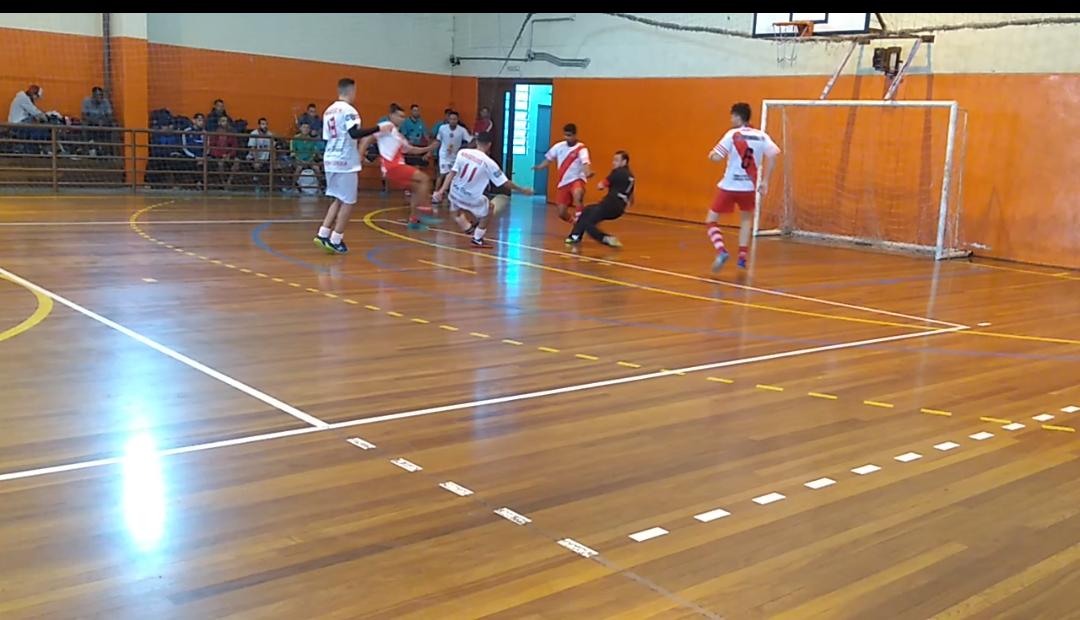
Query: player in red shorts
x: 392, y: 150
x: 572, y: 158
x: 744, y: 148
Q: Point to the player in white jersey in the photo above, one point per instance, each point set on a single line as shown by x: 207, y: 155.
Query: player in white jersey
x: 341, y: 161
x: 744, y: 148
x: 393, y: 147
x: 572, y: 159
x: 468, y: 181
x: 450, y: 137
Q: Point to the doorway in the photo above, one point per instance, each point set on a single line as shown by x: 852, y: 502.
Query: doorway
x: 521, y: 111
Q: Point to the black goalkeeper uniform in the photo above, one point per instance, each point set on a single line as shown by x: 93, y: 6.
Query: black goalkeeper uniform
x: 620, y: 186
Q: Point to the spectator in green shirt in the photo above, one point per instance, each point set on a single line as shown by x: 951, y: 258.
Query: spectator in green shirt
x: 304, y: 150
x: 413, y: 128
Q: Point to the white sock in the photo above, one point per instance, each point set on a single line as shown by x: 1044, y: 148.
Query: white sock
x: 335, y: 237
x: 478, y: 234
x: 324, y: 232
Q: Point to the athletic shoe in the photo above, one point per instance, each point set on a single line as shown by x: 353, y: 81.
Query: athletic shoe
x: 416, y: 225
x: 572, y: 240
x: 323, y: 243
x: 339, y: 248
x: 721, y: 258
x: 480, y: 243
x: 742, y: 263
x: 612, y: 242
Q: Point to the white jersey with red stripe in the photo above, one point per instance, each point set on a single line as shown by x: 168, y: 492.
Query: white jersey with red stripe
x: 473, y: 171
x: 391, y: 145
x: 745, y: 148
x: 571, y: 161
x: 341, y: 153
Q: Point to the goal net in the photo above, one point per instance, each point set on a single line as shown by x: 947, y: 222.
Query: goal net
x: 876, y: 173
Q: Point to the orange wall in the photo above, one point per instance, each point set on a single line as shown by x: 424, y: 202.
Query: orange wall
x: 1019, y: 184
x: 66, y: 66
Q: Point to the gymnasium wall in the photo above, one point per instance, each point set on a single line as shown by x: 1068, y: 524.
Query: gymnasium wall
x: 261, y: 64
x: 664, y: 96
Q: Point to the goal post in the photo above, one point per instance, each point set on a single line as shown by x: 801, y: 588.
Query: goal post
x: 884, y: 174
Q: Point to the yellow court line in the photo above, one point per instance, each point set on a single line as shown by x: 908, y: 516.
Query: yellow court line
x: 370, y: 217
x: 823, y: 395
x: 451, y: 267
x: 369, y: 221
x: 1063, y: 275
x: 44, y: 307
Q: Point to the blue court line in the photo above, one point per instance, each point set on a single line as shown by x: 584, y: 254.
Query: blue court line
x: 257, y: 239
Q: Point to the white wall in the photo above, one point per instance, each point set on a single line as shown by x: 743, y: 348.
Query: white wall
x: 619, y: 48
x: 404, y: 41
x: 88, y: 24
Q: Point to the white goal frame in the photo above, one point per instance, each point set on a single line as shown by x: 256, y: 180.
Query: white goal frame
x: 939, y: 250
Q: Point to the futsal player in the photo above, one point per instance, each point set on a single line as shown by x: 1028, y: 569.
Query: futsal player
x: 341, y: 162
x: 450, y: 137
x: 392, y: 150
x: 572, y: 159
x: 744, y: 148
x: 467, y: 181
x: 620, y: 187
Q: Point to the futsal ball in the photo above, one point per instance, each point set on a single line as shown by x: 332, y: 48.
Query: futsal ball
x: 499, y: 204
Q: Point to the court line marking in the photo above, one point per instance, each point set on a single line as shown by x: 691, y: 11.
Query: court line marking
x: 180, y: 357
x: 44, y: 307
x: 450, y: 267
x: 473, y: 404
x: 871, y: 310
x: 369, y: 219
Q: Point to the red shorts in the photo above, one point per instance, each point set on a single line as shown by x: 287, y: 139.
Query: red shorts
x: 400, y: 176
x: 564, y: 196
x: 725, y: 201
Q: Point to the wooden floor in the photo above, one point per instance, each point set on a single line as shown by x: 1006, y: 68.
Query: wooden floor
x: 202, y: 413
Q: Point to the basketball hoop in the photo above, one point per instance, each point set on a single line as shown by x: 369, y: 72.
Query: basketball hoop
x: 786, y: 35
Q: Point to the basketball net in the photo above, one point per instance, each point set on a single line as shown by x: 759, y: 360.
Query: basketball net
x: 786, y: 36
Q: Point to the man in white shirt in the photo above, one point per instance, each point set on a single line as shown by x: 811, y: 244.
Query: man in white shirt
x: 259, y: 149
x: 450, y: 137
x: 24, y: 110
x: 744, y: 148
x: 468, y: 181
x: 572, y: 159
x: 341, y: 161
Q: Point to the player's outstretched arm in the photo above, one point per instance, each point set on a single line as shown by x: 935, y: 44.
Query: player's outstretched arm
x: 766, y: 173
x: 358, y: 133
x: 514, y: 187
x: 439, y: 193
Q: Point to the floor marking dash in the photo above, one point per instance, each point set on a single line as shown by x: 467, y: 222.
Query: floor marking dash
x: 312, y: 290
x: 361, y: 443
x: 456, y: 488
x: 945, y: 446
x: 576, y: 547
x: 628, y: 364
x: 449, y: 328
x: 585, y: 356
x: 450, y: 267
x: 720, y: 380
x: 371, y: 307
x: 244, y: 270
x: 547, y: 349
x: 259, y: 274
x: 820, y: 483
x: 866, y: 469
x: 479, y: 335
x: 981, y: 436
x: 1042, y: 417
x: 1070, y: 409
x: 419, y: 320
x: 516, y: 343
x: 1015, y: 426
x: 771, y: 388
x: 350, y: 301
x: 822, y: 395
x: 876, y: 403
x: 936, y: 412
x: 395, y: 313
x: 406, y: 464
x: 513, y: 517
x: 1055, y: 427
x: 330, y: 295
x: 294, y: 284
x: 908, y: 457
x: 768, y: 498
x: 995, y: 420
x: 149, y: 280
x: 230, y: 265
x: 649, y: 534
x: 279, y: 280
x: 712, y: 515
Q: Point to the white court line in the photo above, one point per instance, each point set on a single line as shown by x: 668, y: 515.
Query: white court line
x: 686, y: 276
x: 479, y: 403
x: 180, y: 357
x: 145, y: 222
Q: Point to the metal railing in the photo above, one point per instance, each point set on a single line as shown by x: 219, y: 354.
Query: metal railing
x: 58, y: 157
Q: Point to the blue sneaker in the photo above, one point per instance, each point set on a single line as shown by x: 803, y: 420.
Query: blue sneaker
x: 721, y: 258
x: 742, y: 263
x: 339, y: 248
x: 416, y: 225
x: 323, y: 242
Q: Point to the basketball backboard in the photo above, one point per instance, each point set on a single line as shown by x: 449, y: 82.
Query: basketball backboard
x: 824, y: 23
